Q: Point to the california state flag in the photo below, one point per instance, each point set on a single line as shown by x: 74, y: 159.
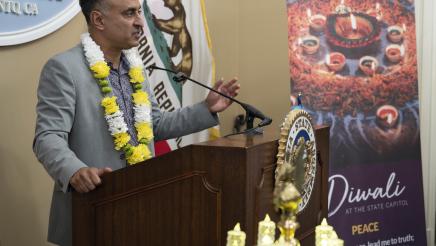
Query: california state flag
x: 176, y: 37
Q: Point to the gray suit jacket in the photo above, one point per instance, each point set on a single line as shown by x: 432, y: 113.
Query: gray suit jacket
x: 72, y: 133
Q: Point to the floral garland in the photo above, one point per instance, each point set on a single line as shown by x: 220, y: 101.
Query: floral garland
x: 113, y: 115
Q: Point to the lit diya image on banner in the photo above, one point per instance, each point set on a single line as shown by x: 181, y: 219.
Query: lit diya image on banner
x: 355, y: 64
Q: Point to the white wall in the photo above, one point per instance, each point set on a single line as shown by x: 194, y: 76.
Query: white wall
x: 425, y: 17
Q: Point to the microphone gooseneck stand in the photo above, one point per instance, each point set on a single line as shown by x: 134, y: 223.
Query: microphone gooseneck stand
x: 250, y: 111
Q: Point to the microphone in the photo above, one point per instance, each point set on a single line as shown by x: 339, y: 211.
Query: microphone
x: 180, y: 77
x: 251, y: 112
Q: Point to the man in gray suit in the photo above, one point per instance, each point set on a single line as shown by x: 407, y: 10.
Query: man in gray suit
x: 72, y: 140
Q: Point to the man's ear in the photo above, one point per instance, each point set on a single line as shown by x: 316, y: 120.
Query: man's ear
x: 97, y: 19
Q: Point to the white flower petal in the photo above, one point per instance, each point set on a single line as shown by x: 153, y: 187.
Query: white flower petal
x: 142, y: 113
x: 116, y: 122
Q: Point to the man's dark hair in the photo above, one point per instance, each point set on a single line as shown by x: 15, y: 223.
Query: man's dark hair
x: 88, y: 6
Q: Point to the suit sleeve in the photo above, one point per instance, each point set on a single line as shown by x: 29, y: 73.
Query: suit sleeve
x: 55, y: 116
x: 182, y: 121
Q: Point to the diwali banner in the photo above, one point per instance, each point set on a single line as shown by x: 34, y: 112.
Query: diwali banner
x: 355, y: 63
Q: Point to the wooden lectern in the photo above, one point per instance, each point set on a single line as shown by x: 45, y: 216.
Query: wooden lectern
x: 194, y: 195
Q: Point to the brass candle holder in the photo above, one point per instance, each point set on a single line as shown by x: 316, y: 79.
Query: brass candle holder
x: 286, y: 200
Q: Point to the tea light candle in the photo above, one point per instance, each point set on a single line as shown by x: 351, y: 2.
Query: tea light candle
x: 266, y: 232
x: 395, y: 33
x: 387, y: 116
x: 317, y: 23
x: 394, y: 52
x: 368, y: 65
x: 335, y: 61
x: 236, y: 237
x: 310, y: 44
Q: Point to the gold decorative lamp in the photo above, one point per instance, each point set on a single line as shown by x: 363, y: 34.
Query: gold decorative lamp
x: 294, y: 181
x: 295, y: 173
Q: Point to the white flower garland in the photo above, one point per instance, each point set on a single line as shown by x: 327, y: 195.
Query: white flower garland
x: 113, y: 115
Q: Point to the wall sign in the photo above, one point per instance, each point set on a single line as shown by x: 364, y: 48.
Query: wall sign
x: 26, y: 20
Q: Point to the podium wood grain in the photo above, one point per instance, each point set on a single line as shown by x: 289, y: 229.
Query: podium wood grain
x: 194, y: 195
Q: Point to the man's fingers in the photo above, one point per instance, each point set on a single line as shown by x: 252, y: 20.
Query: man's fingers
x: 83, y: 188
x: 95, y: 178
x: 218, y: 84
x: 234, y: 88
x: 234, y: 93
x: 79, y: 187
x: 231, y: 83
x: 107, y: 170
x: 86, y: 180
x: 101, y: 171
x: 89, y: 186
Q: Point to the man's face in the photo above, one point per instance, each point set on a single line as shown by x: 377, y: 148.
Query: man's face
x: 122, y: 23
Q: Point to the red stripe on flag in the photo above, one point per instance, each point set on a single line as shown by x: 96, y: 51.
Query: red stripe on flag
x: 161, y: 147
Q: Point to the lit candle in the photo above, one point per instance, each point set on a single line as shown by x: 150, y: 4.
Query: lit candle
x: 373, y: 66
x: 389, y: 118
x: 404, y: 28
x: 266, y: 232
x: 353, y: 22
x: 236, y: 237
x: 309, y: 13
x: 324, y: 227
x: 327, y: 59
x: 378, y: 12
x: 342, y: 2
x: 322, y: 232
x: 299, y: 41
x: 402, y: 50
